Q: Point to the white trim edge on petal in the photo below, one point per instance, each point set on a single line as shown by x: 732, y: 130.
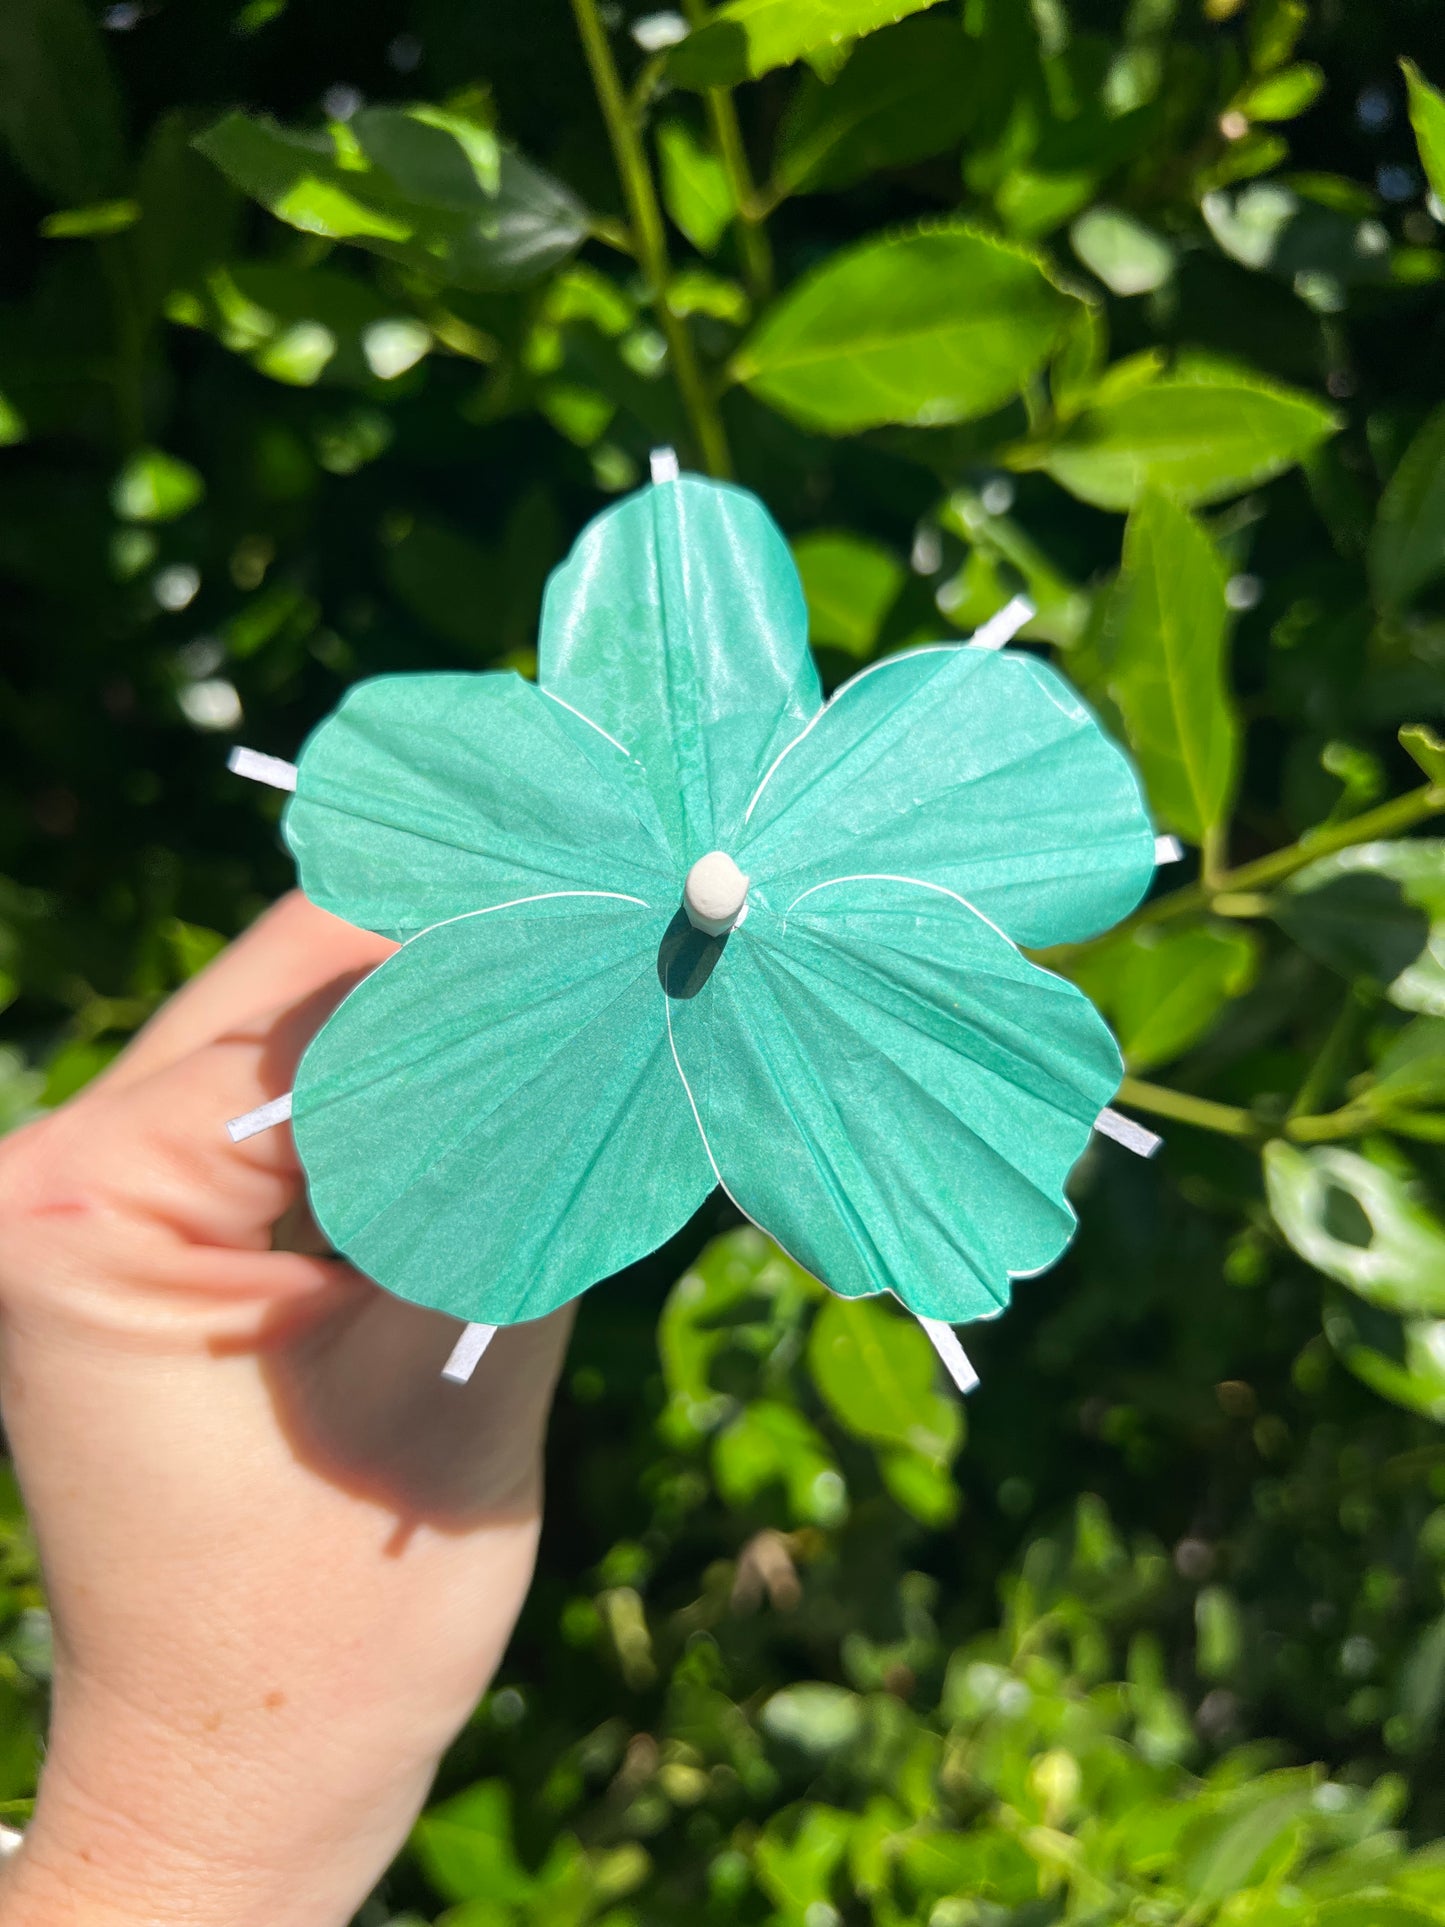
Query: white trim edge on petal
x: 1134, y: 1137
x: 1003, y: 627
x: 257, y: 768
x: 466, y: 1354
x: 264, y: 1118
x: 944, y: 1340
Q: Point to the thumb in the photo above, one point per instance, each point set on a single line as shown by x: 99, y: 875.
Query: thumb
x: 137, y: 1183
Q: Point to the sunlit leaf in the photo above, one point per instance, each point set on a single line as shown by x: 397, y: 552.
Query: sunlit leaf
x: 155, y: 487
x: 851, y: 583
x: 876, y: 1371
x: 937, y: 325
x: 1360, y: 1224
x: 745, y: 38
x: 1376, y: 910
x: 1128, y: 257
x: 695, y: 187
x: 1167, y: 667
x: 430, y: 189
x: 1163, y: 989
x: 1201, y: 433
x: 1427, y: 117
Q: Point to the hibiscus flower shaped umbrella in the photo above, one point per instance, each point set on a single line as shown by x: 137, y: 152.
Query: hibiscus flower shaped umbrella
x: 669, y: 921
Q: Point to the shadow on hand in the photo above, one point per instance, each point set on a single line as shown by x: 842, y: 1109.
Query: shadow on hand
x: 360, y: 1398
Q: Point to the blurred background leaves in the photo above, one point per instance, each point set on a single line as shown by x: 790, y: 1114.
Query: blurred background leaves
x: 317, y: 348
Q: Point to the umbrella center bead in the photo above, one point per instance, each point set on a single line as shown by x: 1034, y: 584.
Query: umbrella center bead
x: 715, y: 894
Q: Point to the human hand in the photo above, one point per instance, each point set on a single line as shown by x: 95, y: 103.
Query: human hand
x: 283, y: 1556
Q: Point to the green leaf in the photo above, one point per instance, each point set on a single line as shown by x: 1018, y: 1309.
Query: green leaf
x: 1281, y: 96
x: 1407, y: 544
x: 155, y: 487
x: 1410, y: 1076
x: 60, y: 110
x: 1377, y: 910
x: 938, y: 325
x: 746, y: 38
x: 905, y: 94
x: 1128, y: 257
x: 1359, y: 1224
x: 695, y: 187
x: 1226, y: 1852
x: 795, y: 1863
x: 1399, y: 1358
x: 1427, y: 117
x: 1168, y: 626
x: 432, y: 190
x: 82, y: 223
x: 770, y: 1443
x: 303, y: 325
x: 1163, y: 989
x: 465, y: 1847
x: 814, y: 1716
x: 851, y: 583
x: 1427, y: 748
x: 1202, y: 434
x: 876, y: 1372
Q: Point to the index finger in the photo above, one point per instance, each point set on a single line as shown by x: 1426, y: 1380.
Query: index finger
x: 291, y: 951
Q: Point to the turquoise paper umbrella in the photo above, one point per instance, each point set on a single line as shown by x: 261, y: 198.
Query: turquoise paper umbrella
x: 670, y: 921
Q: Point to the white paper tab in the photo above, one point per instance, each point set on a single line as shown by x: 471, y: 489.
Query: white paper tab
x: 944, y: 1340
x: 1003, y: 627
x: 1125, y: 1131
x: 263, y: 1118
x: 262, y: 769
x: 664, y: 465
x: 1167, y: 849
x: 467, y: 1352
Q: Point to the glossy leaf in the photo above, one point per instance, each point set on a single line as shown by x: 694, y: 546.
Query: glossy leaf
x: 430, y: 189
x: 905, y: 93
x: 878, y: 1374
x: 1377, y: 910
x: 1427, y: 117
x: 1162, y: 989
x: 1407, y: 544
x: 937, y: 325
x: 745, y: 38
x: 695, y: 187
x: 1359, y: 1223
x: 850, y: 583
x: 1168, y: 668
x: 1202, y: 434
x: 1128, y: 257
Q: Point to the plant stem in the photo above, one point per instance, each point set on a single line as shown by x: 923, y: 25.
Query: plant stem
x: 754, y: 248
x: 650, y: 237
x: 1389, y: 819
x: 1328, y: 1067
x: 1228, y: 1120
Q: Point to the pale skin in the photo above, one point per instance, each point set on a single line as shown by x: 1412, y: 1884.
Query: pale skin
x: 283, y: 1556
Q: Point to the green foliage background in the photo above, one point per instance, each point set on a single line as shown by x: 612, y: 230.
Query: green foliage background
x: 320, y: 337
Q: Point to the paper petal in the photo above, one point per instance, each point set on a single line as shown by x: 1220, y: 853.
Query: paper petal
x: 893, y: 1092
x: 492, y: 1121
x: 423, y: 797
x: 678, y: 625
x: 977, y: 770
